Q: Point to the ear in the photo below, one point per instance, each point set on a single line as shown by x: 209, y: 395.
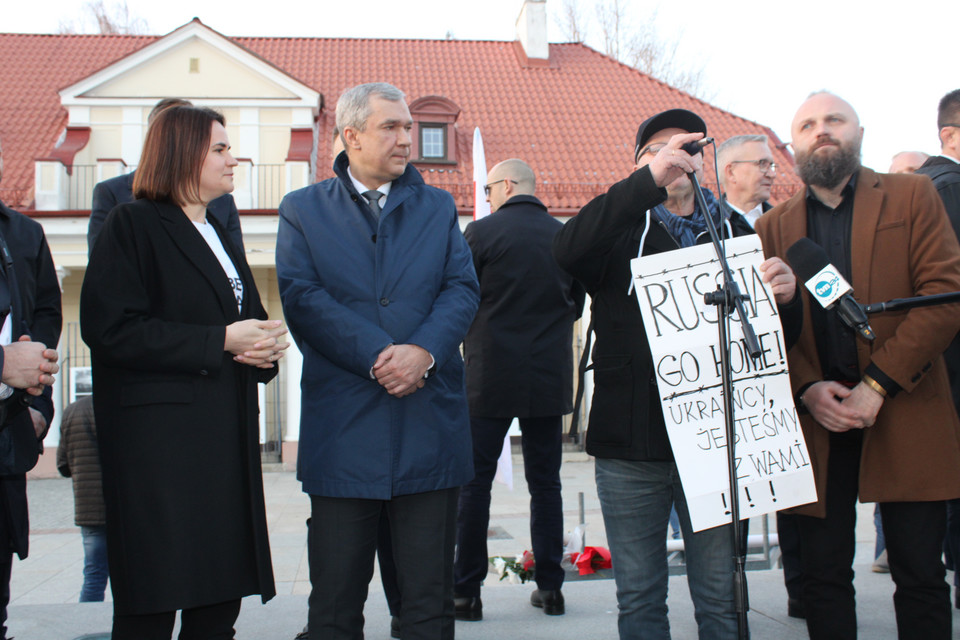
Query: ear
x: 508, y: 188
x: 728, y: 174
x: 351, y: 138
x: 946, y: 136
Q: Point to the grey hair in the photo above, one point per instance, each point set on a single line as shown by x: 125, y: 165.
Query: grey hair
x: 353, y: 107
x: 729, y: 145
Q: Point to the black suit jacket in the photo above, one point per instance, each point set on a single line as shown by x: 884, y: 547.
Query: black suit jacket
x: 519, y: 349
x: 177, y: 417
x: 119, y: 190
x: 34, y: 290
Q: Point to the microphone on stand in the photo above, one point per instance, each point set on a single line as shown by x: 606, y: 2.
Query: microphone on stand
x: 827, y: 286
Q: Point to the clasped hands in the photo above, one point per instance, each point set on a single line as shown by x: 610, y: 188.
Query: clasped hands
x: 254, y: 342
x: 29, y: 365
x: 400, y: 369
x: 838, y: 408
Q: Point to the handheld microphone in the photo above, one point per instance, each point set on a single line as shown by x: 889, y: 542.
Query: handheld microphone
x: 696, y: 146
x: 827, y: 286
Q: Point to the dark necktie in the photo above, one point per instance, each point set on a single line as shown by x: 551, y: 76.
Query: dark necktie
x: 373, y: 199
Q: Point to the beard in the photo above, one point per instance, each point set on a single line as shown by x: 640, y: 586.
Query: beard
x: 828, y: 170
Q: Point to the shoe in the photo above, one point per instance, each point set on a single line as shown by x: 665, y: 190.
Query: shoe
x: 468, y: 608
x: 394, y: 627
x: 303, y: 635
x: 795, y: 609
x: 880, y: 565
x: 550, y: 601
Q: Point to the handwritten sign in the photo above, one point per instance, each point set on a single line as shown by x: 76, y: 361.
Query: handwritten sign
x: 772, y: 464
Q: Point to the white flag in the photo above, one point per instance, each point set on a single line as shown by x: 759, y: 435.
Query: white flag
x: 481, y: 207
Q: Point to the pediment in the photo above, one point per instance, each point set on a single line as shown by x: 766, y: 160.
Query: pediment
x: 196, y: 63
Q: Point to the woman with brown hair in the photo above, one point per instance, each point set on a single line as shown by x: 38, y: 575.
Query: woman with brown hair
x: 179, y: 341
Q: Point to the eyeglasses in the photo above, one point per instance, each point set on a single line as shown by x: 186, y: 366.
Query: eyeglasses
x: 651, y: 148
x: 486, y: 187
x: 763, y: 165
x: 950, y: 125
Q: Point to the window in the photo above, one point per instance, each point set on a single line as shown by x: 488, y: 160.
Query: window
x: 432, y: 141
x: 435, y: 134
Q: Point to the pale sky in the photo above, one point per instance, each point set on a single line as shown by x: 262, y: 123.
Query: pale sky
x: 890, y: 61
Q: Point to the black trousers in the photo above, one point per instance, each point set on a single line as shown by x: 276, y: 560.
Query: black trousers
x: 213, y: 622
x: 343, y: 542
x: 542, y: 449
x: 914, y: 534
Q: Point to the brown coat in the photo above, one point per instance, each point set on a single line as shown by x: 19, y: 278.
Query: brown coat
x: 79, y: 458
x: 903, y: 246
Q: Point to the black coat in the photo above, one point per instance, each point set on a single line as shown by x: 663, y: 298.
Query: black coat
x: 176, y: 416
x: 35, y: 298
x: 946, y: 178
x: 519, y: 350
x: 596, y: 247
x: 119, y: 190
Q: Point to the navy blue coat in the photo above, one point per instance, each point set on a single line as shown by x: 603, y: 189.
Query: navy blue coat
x: 352, y: 286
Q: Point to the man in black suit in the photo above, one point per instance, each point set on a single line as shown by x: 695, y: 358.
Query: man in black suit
x: 519, y: 362
x: 119, y: 190
x: 747, y: 172
x: 30, y: 321
x: 944, y: 170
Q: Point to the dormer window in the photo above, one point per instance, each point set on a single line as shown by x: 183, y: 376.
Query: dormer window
x: 433, y: 141
x: 434, y: 138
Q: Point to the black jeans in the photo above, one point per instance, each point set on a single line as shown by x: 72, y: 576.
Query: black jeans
x: 542, y: 450
x: 343, y: 541
x: 914, y: 535
x: 213, y: 622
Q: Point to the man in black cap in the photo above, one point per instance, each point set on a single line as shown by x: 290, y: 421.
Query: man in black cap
x: 651, y: 211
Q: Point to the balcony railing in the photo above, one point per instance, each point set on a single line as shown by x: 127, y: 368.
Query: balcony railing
x: 256, y: 186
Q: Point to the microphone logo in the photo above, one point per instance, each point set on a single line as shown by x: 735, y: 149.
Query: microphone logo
x: 825, y: 284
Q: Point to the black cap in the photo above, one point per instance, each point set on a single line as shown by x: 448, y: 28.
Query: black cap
x: 670, y: 119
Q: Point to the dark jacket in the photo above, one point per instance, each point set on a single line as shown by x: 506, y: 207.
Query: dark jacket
x: 176, y: 415
x: 32, y: 282
x: 626, y: 419
x: 945, y: 174
x: 519, y: 350
x: 79, y: 458
x: 351, y: 286
x: 119, y: 190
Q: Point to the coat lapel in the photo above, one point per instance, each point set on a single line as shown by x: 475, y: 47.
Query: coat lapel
x: 195, y: 249
x: 867, y: 201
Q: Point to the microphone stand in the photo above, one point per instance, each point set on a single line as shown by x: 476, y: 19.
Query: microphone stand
x: 728, y: 298
x: 898, y: 304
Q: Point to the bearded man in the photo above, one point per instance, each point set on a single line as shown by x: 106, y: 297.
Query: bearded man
x: 877, y: 416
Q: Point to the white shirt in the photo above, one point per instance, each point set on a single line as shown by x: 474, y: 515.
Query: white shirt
x: 750, y: 216
x: 360, y: 187
x: 213, y: 240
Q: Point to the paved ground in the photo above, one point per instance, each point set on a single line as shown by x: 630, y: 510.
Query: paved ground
x: 46, y: 586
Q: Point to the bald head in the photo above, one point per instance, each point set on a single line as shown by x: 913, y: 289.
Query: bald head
x: 826, y: 135
x: 509, y: 178
x: 907, y: 161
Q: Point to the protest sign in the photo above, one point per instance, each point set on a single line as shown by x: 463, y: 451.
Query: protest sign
x: 772, y: 464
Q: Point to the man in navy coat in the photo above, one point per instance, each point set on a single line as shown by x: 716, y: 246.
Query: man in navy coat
x: 119, y: 190
x: 378, y: 289
x: 519, y: 359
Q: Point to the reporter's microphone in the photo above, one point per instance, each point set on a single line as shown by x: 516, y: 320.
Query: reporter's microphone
x: 827, y: 286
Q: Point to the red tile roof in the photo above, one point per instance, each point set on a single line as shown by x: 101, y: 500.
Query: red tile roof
x: 574, y: 121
